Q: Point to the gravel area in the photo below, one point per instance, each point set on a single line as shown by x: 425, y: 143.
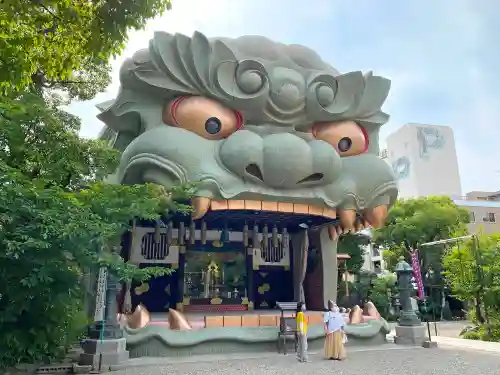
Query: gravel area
x: 416, y: 361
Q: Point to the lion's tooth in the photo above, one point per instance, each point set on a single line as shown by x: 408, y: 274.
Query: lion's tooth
x: 376, y: 216
x: 347, y: 219
x: 200, y: 206
x: 332, y: 233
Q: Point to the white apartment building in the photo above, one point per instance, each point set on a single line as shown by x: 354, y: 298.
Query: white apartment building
x: 424, y: 160
x: 484, y: 211
x: 373, y: 260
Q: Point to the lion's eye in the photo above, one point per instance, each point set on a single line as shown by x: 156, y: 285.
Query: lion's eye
x: 203, y: 116
x: 347, y: 137
x: 213, y: 125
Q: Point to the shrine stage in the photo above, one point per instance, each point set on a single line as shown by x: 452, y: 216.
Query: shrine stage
x: 239, y: 332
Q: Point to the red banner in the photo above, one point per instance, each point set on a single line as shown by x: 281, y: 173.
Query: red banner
x: 415, y: 264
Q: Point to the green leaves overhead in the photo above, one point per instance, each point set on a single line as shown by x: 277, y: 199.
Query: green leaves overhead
x: 48, y: 41
x: 58, y: 220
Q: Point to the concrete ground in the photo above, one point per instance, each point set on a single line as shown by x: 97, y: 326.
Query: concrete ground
x: 444, y: 329
x: 388, y: 360
x: 454, y: 356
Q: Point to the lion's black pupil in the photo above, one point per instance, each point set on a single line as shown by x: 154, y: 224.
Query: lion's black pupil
x: 213, y: 125
x: 345, y: 144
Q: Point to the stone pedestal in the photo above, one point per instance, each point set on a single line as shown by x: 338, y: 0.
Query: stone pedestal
x: 430, y: 344
x: 103, y: 354
x: 410, y: 335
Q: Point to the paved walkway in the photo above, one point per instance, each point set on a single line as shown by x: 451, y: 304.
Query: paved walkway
x: 450, y: 342
x: 417, y: 361
x: 448, y: 337
x: 453, y: 356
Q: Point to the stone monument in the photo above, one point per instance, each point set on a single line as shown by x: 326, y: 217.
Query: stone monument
x: 410, y: 330
x: 106, y: 346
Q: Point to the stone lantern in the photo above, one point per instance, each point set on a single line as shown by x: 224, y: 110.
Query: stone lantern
x: 105, y: 349
x: 410, y: 330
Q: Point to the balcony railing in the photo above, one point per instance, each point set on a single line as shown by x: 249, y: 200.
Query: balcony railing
x: 490, y: 198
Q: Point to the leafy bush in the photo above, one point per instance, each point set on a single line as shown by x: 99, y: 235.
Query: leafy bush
x: 383, y: 288
x: 484, y: 332
x: 43, y: 334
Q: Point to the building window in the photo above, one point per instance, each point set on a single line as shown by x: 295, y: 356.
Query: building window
x: 489, y: 218
x: 375, y: 250
x: 472, y: 217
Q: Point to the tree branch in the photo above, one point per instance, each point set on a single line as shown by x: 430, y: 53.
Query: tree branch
x: 39, y: 3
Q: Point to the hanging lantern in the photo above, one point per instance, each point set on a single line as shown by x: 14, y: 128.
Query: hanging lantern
x: 192, y: 233
x: 275, y: 237
x: 265, y: 237
x: 285, y: 239
x: 245, y: 235
x: 203, y: 233
x: 255, y: 237
x: 181, y: 234
x: 170, y: 230
x: 157, y: 231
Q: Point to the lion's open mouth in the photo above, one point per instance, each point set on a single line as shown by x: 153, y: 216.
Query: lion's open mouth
x: 339, y: 221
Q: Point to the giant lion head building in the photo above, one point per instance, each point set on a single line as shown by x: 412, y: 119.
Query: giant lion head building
x: 283, y: 149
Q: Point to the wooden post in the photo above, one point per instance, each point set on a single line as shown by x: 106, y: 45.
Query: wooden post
x: 346, y: 274
x: 179, y: 306
x: 249, y: 269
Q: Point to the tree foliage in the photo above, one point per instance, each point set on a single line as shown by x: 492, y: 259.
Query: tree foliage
x: 412, y: 222
x: 472, y: 269
x: 383, y: 288
x: 353, y: 244
x: 58, y: 220
x: 53, y: 42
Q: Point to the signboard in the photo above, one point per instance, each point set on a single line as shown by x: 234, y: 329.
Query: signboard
x: 417, y: 274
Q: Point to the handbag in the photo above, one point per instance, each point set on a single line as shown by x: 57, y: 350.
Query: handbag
x: 344, y: 338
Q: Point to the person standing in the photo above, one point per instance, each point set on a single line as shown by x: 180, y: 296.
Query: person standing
x: 334, y: 333
x: 302, y: 332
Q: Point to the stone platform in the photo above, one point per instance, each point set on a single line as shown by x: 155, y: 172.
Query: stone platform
x: 160, y: 341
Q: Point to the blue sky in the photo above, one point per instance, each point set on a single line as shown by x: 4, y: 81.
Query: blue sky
x: 442, y: 57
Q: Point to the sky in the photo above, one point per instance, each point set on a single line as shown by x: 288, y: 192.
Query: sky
x: 441, y: 56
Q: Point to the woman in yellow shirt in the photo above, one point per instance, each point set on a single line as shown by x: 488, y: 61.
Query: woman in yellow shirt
x: 302, y: 332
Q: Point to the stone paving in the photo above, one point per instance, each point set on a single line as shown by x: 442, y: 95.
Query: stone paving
x: 389, y: 360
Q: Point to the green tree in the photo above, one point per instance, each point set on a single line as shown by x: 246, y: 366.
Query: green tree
x: 412, y: 222
x: 353, y: 244
x: 57, y: 221
x: 55, y: 42
x: 472, y: 270
x: 57, y: 218
x: 383, y: 288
